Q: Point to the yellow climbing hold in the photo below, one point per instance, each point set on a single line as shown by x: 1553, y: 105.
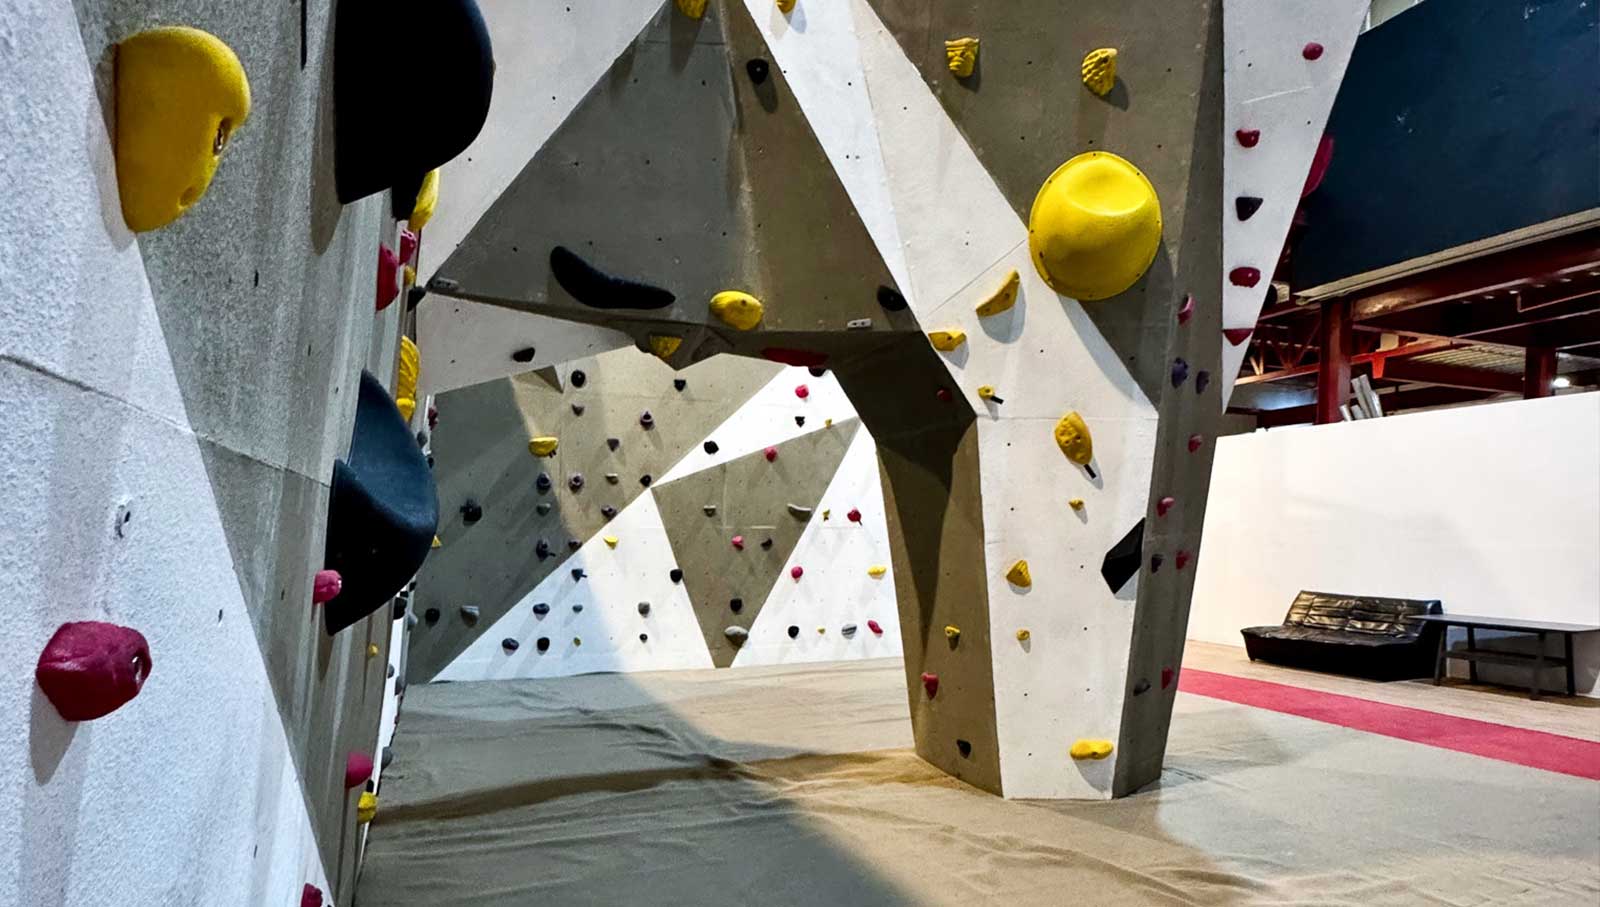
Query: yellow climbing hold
x: 410, y: 275
x: 664, y: 345
x: 437, y: 543
x: 986, y: 392
x: 1019, y: 575
x: 952, y: 632
x: 611, y: 541
x: 543, y: 446
x: 1100, y: 70
x: 407, y: 372
x: 827, y: 423
x: 877, y: 571
x: 427, y: 199
x: 1072, y: 436
x: 1094, y: 227
x: 1023, y: 636
x: 181, y: 93
x: 826, y: 514
x: 786, y: 6
x: 372, y: 650
x: 961, y: 54
x: 821, y: 630
x: 945, y: 341
x: 694, y: 9
x: 1003, y: 298
x: 366, y: 807
x: 1091, y: 749
x: 737, y: 310
x: 1076, y: 503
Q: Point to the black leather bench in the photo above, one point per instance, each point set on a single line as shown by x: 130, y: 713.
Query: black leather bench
x: 1378, y: 638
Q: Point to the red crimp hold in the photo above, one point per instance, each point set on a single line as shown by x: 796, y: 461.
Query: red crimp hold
x: 89, y: 669
x: 1247, y: 137
x: 797, y: 571
x: 944, y: 394
x: 357, y: 770
x: 1166, y: 678
x: 1237, y: 336
x: 1186, y: 310
x: 1183, y: 558
x: 875, y: 627
x: 738, y: 542
x: 930, y: 682
x: 1164, y: 505
x: 388, y: 277
x: 802, y: 392
x: 1194, y: 442
x: 325, y: 588
x: 770, y: 453
x: 408, y: 247
x: 1311, y: 51
x: 854, y: 515
x: 311, y: 896
x: 1244, y: 277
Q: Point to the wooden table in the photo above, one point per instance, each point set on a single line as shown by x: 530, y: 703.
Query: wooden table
x: 1536, y: 662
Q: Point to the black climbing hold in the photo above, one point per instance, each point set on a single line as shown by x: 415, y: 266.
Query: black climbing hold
x: 573, y: 544
x: 608, y: 511
x: 577, y: 409
x: 414, y: 297
x: 736, y: 605
x: 543, y: 507
x: 710, y: 447
x: 469, y: 615
x: 1143, y: 686
x: 578, y: 378
x: 644, y: 637
x: 575, y: 481
x: 800, y: 420
x: 1180, y: 371
x: 430, y: 461
x: 710, y: 509
x: 431, y: 616
x: 817, y: 371
x: 366, y: 158
x: 644, y: 609
x: 1123, y: 560
x: 645, y: 480
x: 890, y: 299
x: 599, y: 290
x: 964, y: 747
x: 541, y: 608
x: 383, y: 510
x: 1202, y: 378
x: 646, y: 420
x: 397, y: 610
x: 847, y: 631
x: 758, y: 70
x: 509, y: 644
x: 766, y: 543
x: 577, y: 609
x: 1156, y: 560
x: 471, y: 512
x: 613, y: 443
x: 794, y: 631
x: 422, y: 439
x: 1246, y: 205
x: 542, y: 482
x: 679, y: 384
x: 543, y: 644
x: 577, y: 573
x: 676, y: 575
x: 525, y: 354
x: 541, y: 549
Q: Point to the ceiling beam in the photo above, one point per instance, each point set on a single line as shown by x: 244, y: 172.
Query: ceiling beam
x: 1440, y: 375
x: 1400, y: 352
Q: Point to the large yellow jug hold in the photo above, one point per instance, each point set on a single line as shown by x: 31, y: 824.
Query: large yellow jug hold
x: 1072, y: 436
x: 407, y: 373
x: 181, y: 93
x: 737, y: 310
x: 1094, y: 227
x: 543, y: 446
x: 427, y: 198
x: 1091, y: 749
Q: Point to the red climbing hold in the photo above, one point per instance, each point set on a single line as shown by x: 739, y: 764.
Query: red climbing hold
x: 1244, y: 277
x: 1164, y: 505
x: 797, y: 571
x: 1247, y: 137
x: 1166, y: 678
x: 930, y: 682
x: 1237, y: 336
x: 388, y: 277
x: 433, y: 418
x: 802, y: 392
x: 770, y: 453
x: 89, y: 669
x: 791, y: 356
x: 326, y: 586
x: 1186, y: 311
x: 944, y: 394
x: 738, y: 542
x: 1194, y: 442
x: 875, y: 627
x: 1183, y: 558
x: 357, y: 769
x: 408, y: 247
x: 1311, y: 51
x: 311, y: 896
x: 854, y: 515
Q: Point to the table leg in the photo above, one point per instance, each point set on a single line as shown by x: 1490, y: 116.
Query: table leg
x: 1472, y: 666
x: 1438, y: 662
x: 1572, y: 684
x: 1538, y: 669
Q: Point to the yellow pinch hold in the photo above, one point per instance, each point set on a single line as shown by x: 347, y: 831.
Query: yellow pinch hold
x: 408, y: 370
x: 786, y: 6
x: 1072, y: 436
x: 181, y: 94
x: 737, y: 310
x: 611, y: 541
x: 664, y: 345
x: 367, y: 807
x: 952, y: 632
x: 961, y: 55
x: 427, y: 200
x: 876, y: 571
x: 1100, y: 70
x: 543, y: 446
x: 1019, y: 575
x: 1024, y: 635
x: 694, y: 9
x: 1091, y: 749
x: 1003, y: 298
x: 947, y: 341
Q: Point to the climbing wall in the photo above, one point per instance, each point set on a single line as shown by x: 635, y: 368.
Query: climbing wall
x: 685, y: 523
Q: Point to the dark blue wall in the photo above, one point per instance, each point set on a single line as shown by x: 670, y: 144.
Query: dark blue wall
x: 1458, y: 120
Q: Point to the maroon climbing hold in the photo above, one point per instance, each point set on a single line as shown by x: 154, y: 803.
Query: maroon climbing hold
x: 817, y: 372
x: 738, y: 542
x: 311, y: 896
x: 1186, y: 310
x: 1164, y: 505
x: 791, y: 356
x: 89, y: 669
x: 1311, y: 51
x: 1180, y: 371
x: 853, y: 516
x: 408, y: 247
x: 875, y: 627
x: 433, y: 418
x: 326, y: 586
x: 1237, y: 336
x: 930, y: 682
x: 1166, y: 678
x: 1246, y: 206
x: 1156, y: 560
x: 1182, y: 560
x: 1194, y: 442
x: 802, y: 392
x: 1247, y: 137
x: 797, y: 571
x: 357, y: 769
x: 388, y: 277
x: 1244, y: 277
x: 944, y: 394
x: 770, y: 453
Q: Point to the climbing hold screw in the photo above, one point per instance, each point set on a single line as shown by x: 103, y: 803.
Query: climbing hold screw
x: 326, y: 586
x: 1091, y: 749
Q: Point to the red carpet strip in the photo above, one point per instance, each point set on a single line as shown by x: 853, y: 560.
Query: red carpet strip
x: 1535, y: 749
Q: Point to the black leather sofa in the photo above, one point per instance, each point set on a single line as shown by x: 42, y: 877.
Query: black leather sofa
x: 1351, y: 634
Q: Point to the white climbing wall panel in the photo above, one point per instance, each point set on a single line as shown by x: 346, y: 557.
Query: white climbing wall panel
x: 1270, y: 86
x: 768, y: 418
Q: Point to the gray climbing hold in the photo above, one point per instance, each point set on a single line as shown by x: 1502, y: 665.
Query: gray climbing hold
x: 541, y: 548
x: 644, y: 609
x: 388, y: 757
x: 542, y: 483
x: 736, y: 605
x: 578, y: 378
x: 798, y: 512
x: 577, y: 409
x: 736, y: 635
x: 613, y: 478
x: 847, y: 631
x: 646, y: 420
x: 710, y: 447
x: 509, y: 644
x: 471, y: 512
x: 574, y: 544
x: 389, y: 673
x: 541, y: 609
x: 645, y: 480
x: 710, y: 509
x: 431, y: 616
x: 608, y: 511
x: 543, y: 507
x: 1143, y: 686
x: 577, y: 609
x: 543, y: 645
x: 613, y: 443
x: 678, y: 384
x: 676, y: 575
x: 575, y: 481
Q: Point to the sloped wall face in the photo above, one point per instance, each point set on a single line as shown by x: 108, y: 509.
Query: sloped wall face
x: 176, y: 401
x: 675, y: 507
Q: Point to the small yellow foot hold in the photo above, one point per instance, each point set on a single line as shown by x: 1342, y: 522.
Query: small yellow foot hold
x: 366, y: 807
x: 1072, y: 436
x: 1091, y: 749
x: 437, y: 543
x: 1076, y: 503
x: 543, y: 446
x: 961, y: 54
x: 1023, y: 636
x: 987, y: 392
x: 664, y: 345
x: 946, y: 341
x: 694, y: 9
x: 1100, y: 70
x: 181, y: 93
x: 1018, y: 575
x: 786, y: 6
x: 427, y: 199
x: 1003, y: 298
x: 372, y: 650
x: 611, y: 541
x: 737, y: 310
x: 877, y: 571
x: 952, y: 633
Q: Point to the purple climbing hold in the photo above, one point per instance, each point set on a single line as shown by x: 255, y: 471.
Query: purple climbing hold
x: 578, y: 378
x: 509, y: 644
x: 1156, y: 560
x: 645, y: 480
x: 1202, y: 379
x: 1246, y: 206
x: 575, y: 482
x: 542, y: 482
x: 1180, y: 371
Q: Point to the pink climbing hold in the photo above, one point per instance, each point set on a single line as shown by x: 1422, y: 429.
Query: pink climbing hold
x: 1247, y: 137
x: 1164, y: 505
x: 357, y: 769
x: 1166, y: 678
x: 797, y: 571
x: 1311, y: 51
x: 944, y: 394
x: 875, y: 627
x: 1244, y: 277
x: 770, y: 453
x: 1186, y: 311
x: 1237, y: 336
x: 1183, y: 558
x: 89, y: 669
x: 738, y: 542
x: 1194, y: 442
x: 388, y: 277
x: 326, y: 586
x: 311, y: 896
x: 802, y: 392
x: 408, y: 247
x: 930, y: 682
